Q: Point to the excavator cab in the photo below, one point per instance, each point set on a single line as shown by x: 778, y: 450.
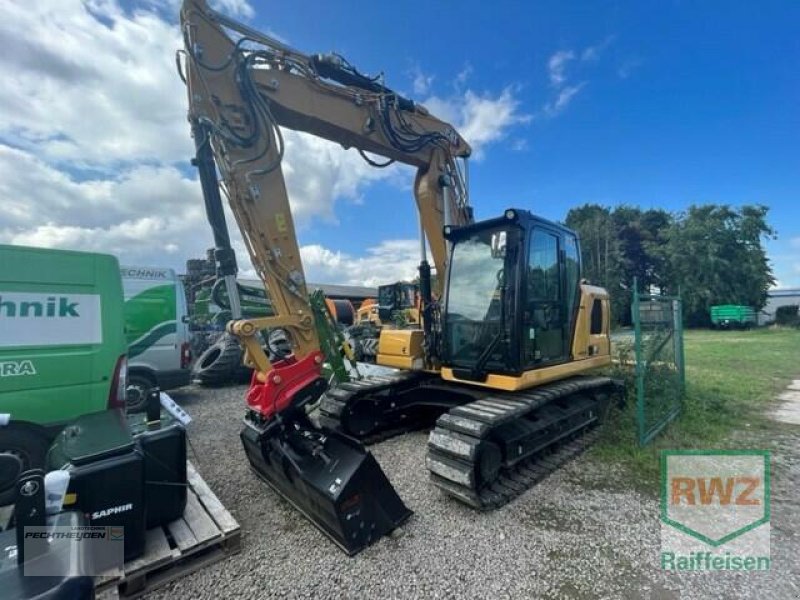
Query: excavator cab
x: 512, y: 296
x: 400, y: 297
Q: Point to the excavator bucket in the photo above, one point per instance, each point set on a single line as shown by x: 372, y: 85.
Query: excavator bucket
x: 329, y: 477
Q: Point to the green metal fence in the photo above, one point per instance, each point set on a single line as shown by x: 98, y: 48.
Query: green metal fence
x: 660, y: 371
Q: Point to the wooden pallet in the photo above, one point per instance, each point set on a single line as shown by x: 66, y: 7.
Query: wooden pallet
x: 207, y: 533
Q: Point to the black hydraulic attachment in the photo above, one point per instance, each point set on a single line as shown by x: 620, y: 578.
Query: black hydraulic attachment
x: 328, y: 476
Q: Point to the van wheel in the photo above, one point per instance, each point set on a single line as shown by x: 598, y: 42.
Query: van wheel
x: 29, y: 444
x: 218, y: 365
x: 139, y: 387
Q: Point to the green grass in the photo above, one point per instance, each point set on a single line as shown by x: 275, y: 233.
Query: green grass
x: 731, y: 376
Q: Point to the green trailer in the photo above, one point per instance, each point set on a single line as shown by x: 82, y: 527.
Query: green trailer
x: 730, y: 316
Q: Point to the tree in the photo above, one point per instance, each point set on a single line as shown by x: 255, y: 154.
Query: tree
x: 599, y: 243
x: 712, y: 254
x: 715, y: 255
x: 641, y: 236
x: 619, y: 246
x: 600, y: 252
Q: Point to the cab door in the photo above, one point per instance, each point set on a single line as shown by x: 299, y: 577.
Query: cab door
x: 545, y: 319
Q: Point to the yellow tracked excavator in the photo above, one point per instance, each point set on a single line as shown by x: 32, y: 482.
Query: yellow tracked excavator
x: 501, y: 365
x: 396, y: 302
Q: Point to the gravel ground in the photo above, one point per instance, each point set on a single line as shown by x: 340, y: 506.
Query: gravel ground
x: 582, y: 533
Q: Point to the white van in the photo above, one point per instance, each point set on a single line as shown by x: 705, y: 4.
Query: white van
x: 157, y: 331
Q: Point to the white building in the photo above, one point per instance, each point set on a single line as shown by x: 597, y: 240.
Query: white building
x: 776, y: 298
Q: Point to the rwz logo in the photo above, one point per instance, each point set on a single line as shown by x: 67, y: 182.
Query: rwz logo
x: 702, y: 490
x: 715, y: 496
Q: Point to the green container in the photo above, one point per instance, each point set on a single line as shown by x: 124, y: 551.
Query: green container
x: 733, y: 315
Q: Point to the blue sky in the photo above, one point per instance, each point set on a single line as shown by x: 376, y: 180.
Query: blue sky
x: 656, y: 104
x: 679, y: 103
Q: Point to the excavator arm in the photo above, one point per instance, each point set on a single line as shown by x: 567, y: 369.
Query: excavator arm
x: 243, y: 87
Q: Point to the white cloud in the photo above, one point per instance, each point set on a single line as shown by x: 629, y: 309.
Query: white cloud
x: 89, y: 84
x: 421, y: 81
x: 147, y: 210
x: 562, y: 99
x: 628, y: 66
x: 319, y: 172
x: 795, y: 265
x: 391, y: 260
x: 129, y: 239
x: 463, y: 75
x: 235, y: 8
x: 147, y: 214
x: 104, y: 219
x: 519, y: 144
x: 480, y: 118
x: 34, y: 191
x: 556, y: 66
x: 591, y: 53
x: 94, y: 143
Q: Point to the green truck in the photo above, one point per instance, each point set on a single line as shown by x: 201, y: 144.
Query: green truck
x: 62, y: 344
x: 729, y: 316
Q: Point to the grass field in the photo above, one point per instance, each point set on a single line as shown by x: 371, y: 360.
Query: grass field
x: 731, y: 377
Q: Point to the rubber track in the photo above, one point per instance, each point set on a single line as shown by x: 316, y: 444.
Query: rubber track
x: 333, y: 405
x: 516, y: 479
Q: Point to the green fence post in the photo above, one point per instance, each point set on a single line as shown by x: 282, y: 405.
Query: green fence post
x: 679, y: 342
x: 637, y: 333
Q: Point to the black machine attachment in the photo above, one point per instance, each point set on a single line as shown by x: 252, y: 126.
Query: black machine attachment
x: 29, y: 511
x: 106, y: 474
x: 162, y: 442
x: 17, y: 553
x: 124, y: 472
x: 329, y: 477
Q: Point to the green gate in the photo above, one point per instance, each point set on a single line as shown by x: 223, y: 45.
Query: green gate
x: 660, y: 371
